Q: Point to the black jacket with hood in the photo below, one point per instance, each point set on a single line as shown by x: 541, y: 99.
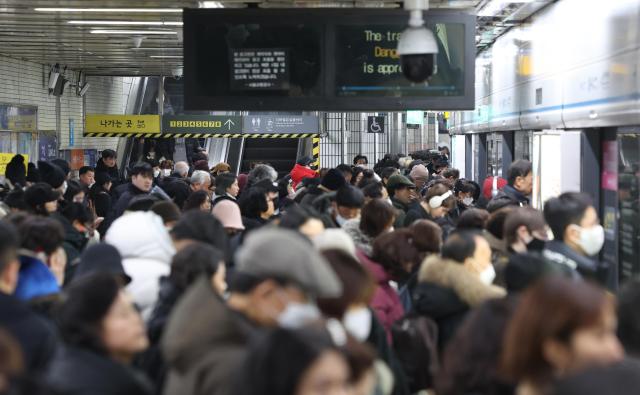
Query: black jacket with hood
x: 446, y: 292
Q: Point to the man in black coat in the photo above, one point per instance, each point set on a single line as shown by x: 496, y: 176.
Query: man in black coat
x: 35, y: 335
x: 107, y: 164
x: 141, y: 184
x: 519, y: 186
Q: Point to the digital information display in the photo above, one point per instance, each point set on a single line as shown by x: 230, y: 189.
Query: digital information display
x: 369, y: 63
x: 259, y: 68
x: 321, y: 60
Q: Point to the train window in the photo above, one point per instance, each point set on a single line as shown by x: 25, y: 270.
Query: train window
x: 494, y: 154
x: 629, y: 199
x: 522, y: 142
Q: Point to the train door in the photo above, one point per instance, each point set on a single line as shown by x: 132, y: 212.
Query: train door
x: 556, y: 164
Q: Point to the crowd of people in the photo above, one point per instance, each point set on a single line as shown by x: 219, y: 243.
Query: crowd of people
x: 395, y: 278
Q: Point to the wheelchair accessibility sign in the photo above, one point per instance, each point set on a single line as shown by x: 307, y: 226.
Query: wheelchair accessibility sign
x: 375, y: 124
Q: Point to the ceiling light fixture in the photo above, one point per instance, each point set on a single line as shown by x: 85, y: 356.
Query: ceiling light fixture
x: 114, y: 10
x: 124, y: 23
x: 166, y: 56
x: 134, y: 32
x: 210, y: 4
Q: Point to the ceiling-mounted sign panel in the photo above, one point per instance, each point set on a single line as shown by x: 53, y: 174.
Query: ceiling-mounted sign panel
x: 121, y: 124
x: 321, y: 60
x: 280, y: 124
x: 207, y: 124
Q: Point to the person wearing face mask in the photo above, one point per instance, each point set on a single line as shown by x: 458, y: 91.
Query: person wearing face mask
x: 451, y: 285
x: 435, y: 206
x: 525, y: 230
x: 360, y: 161
x: 519, y: 187
x: 278, y: 276
x: 578, y: 235
x: 464, y: 191
x: 352, y: 309
x: 347, y: 205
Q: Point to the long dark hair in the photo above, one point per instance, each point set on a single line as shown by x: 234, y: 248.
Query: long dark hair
x: 85, y: 304
x: 470, y: 362
x: 277, y: 362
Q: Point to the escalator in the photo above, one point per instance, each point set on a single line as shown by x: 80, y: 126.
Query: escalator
x: 279, y: 153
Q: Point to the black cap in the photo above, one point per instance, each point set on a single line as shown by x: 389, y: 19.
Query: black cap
x: 62, y: 164
x: 51, y: 173
x: 101, y: 258
x: 33, y: 174
x: 333, y: 180
x: 350, y: 196
x: 305, y: 161
x: 102, y: 178
x: 40, y: 193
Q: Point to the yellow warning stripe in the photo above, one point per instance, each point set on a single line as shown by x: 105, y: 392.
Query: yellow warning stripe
x: 204, y: 135
x: 316, y: 152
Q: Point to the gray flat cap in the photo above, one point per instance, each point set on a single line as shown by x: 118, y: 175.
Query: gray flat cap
x: 283, y: 253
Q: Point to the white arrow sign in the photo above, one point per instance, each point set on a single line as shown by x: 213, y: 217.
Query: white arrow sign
x: 229, y: 124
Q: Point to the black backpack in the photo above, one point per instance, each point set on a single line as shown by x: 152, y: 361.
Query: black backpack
x: 415, y: 342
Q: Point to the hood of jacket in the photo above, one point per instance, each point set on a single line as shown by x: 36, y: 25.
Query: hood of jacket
x: 453, y: 278
x: 141, y: 235
x: 377, y: 271
x: 299, y: 172
x: 201, y: 326
x: 360, y: 239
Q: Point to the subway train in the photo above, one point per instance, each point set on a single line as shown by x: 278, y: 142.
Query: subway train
x: 563, y: 91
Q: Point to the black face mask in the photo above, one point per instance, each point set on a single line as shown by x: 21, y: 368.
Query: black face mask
x: 536, y: 245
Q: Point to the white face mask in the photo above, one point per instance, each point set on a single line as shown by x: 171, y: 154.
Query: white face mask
x: 340, y: 220
x: 296, y: 315
x: 468, y: 201
x: 166, y: 172
x: 156, y: 173
x: 358, y: 323
x: 591, y: 239
x: 488, y: 275
x: 64, y: 187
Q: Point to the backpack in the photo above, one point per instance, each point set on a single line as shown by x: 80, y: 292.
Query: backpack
x: 415, y: 342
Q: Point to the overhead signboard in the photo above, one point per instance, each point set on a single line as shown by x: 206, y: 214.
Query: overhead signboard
x: 121, y: 124
x: 280, y: 124
x: 321, y: 60
x: 201, y: 124
x: 18, y: 118
x: 415, y: 118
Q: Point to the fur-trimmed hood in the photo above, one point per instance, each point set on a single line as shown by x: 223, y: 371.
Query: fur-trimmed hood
x: 453, y: 276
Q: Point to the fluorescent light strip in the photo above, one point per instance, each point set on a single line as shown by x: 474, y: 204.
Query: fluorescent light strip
x: 131, y: 23
x: 166, y: 56
x: 155, y: 49
x: 134, y: 32
x: 141, y: 10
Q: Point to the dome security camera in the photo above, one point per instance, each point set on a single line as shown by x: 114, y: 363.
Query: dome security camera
x: 417, y: 47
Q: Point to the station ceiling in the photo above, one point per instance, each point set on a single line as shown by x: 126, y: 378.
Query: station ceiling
x: 81, y: 34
